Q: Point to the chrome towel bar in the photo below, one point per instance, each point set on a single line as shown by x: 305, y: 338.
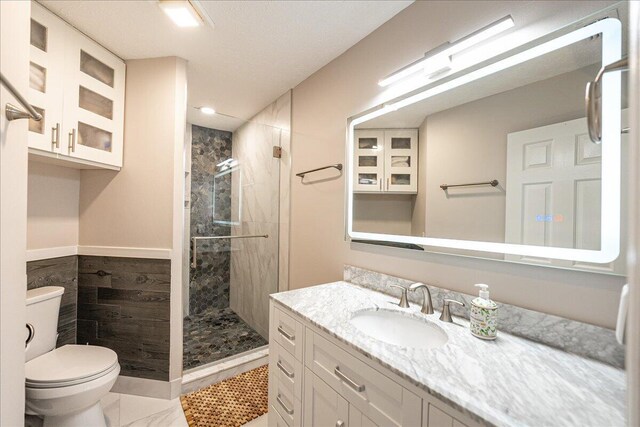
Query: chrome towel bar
x: 336, y: 166
x: 493, y: 183
x: 14, y: 113
x: 194, y: 242
x: 593, y: 99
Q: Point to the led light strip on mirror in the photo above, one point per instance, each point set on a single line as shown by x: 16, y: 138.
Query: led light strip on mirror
x: 610, y: 30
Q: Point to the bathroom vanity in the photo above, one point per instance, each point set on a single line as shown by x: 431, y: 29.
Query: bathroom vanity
x: 326, y: 369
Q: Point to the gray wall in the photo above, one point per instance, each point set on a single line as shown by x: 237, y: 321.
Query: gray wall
x: 123, y: 304
x: 59, y: 272
x: 209, y: 281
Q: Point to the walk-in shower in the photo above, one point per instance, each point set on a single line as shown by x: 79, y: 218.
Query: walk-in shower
x: 233, y: 225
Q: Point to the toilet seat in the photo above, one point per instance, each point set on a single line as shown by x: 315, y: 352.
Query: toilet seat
x: 70, y: 365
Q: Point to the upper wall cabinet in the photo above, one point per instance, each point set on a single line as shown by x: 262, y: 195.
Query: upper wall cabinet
x: 78, y: 87
x: 386, y: 161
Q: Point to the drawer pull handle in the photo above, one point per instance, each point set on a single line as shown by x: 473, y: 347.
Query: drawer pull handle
x: 351, y: 383
x: 287, y: 410
x: 284, y: 370
x: 286, y: 334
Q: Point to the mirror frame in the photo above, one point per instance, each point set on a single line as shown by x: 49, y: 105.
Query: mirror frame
x: 610, y: 30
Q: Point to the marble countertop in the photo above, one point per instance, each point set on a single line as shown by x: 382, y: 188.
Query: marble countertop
x: 507, y: 382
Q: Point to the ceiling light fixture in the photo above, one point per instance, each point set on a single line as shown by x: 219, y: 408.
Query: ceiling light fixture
x: 207, y: 110
x: 438, y: 60
x: 181, y: 12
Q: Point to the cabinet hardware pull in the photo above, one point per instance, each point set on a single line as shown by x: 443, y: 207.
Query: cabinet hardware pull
x: 287, y: 335
x: 72, y: 140
x: 357, y: 387
x: 284, y: 370
x: 380, y: 184
x: 55, y: 136
x: 339, y: 423
x: 387, y: 184
x: 287, y: 410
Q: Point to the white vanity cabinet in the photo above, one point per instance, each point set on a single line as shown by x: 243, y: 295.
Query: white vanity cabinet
x: 386, y: 161
x: 328, y: 384
x: 78, y: 86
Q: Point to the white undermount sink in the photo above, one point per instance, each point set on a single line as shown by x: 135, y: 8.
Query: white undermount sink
x: 404, y: 330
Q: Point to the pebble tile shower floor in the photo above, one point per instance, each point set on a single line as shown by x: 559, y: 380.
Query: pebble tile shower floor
x: 215, y: 334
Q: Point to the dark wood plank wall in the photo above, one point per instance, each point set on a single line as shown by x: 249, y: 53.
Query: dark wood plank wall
x: 124, y: 304
x: 119, y: 303
x: 63, y: 272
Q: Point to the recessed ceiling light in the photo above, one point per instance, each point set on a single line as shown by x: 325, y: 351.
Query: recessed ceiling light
x: 181, y: 12
x: 207, y: 110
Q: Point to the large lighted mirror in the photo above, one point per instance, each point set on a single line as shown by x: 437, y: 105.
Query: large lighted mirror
x: 495, y: 160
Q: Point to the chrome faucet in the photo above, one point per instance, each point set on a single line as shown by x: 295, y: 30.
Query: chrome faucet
x: 427, y: 304
x: 404, y: 303
x: 446, y: 313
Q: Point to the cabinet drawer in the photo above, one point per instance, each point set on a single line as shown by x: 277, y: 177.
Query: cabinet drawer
x: 380, y: 399
x: 287, y: 332
x: 285, y: 369
x: 285, y: 403
x: 434, y: 416
x: 274, y: 419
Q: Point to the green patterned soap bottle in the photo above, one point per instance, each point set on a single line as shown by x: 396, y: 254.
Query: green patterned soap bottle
x: 484, y: 315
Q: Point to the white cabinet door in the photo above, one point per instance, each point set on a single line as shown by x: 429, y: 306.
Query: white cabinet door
x: 323, y: 406
x: 401, y: 161
x: 94, y: 101
x: 554, y: 191
x: 369, y: 161
x: 46, y: 77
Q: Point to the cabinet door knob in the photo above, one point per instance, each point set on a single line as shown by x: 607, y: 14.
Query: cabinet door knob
x: 339, y: 423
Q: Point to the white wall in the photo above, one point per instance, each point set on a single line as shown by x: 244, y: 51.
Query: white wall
x: 633, y: 326
x: 14, y: 57
x: 347, y: 86
x: 52, y: 206
x: 134, y: 207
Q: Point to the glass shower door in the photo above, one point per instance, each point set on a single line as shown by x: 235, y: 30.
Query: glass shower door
x: 234, y: 217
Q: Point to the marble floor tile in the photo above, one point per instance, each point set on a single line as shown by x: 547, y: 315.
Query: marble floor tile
x: 261, y: 421
x: 216, y: 334
x: 111, y: 408
x: 173, y: 416
x: 133, y: 408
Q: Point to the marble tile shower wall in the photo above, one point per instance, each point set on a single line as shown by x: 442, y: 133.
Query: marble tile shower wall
x: 254, y: 262
x: 124, y: 304
x: 209, y: 281
x: 59, y: 272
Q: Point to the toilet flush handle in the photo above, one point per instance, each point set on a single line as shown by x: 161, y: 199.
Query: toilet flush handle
x: 32, y: 333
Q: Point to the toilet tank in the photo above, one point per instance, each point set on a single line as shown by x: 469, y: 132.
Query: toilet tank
x: 43, y: 309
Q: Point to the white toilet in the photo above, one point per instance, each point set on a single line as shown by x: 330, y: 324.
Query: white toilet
x: 64, y: 384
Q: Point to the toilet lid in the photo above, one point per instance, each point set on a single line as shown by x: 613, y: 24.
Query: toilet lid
x: 69, y: 363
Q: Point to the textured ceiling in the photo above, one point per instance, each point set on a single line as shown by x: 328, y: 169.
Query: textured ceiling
x: 256, y: 52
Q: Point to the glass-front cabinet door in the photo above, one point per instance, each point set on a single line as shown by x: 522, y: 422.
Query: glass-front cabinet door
x: 94, y: 102
x: 46, y: 75
x: 401, y: 160
x: 369, y: 160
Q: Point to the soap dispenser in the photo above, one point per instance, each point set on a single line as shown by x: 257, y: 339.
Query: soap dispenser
x: 484, y: 315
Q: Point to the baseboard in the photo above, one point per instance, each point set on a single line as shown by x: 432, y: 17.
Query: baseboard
x: 48, y: 253
x: 113, y: 251
x: 125, y: 252
x: 203, y: 377
x: 148, y: 388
